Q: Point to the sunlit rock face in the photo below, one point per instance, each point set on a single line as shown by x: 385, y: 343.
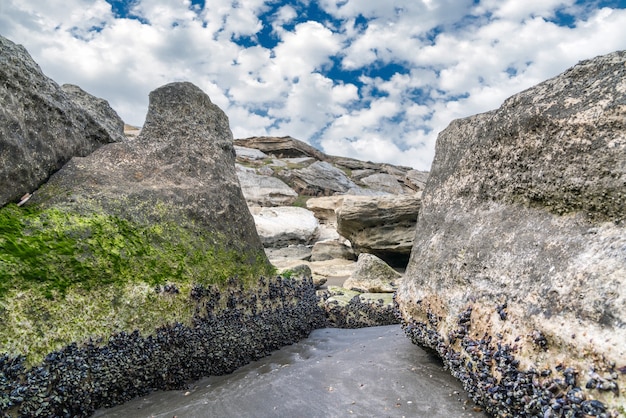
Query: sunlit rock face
x: 517, y: 275
x: 41, y: 128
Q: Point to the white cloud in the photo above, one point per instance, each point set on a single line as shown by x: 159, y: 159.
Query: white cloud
x: 459, y: 59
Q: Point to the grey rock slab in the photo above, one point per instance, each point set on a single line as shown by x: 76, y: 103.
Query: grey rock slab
x: 384, y: 183
x: 180, y: 169
x: 41, y: 128
x: 99, y: 109
x: 250, y: 154
x: 262, y: 190
x: 320, y: 179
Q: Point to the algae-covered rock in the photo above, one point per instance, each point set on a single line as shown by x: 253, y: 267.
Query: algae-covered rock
x: 517, y: 276
x: 139, y: 267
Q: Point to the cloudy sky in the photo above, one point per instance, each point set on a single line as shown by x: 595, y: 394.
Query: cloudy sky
x: 371, y: 79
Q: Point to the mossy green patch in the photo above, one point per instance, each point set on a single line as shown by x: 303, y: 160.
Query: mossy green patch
x: 65, y: 275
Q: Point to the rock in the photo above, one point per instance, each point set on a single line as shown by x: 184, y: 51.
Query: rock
x: 99, y: 110
x: 380, y: 225
x: 383, y: 182
x: 285, y: 225
x: 249, y: 154
x: 291, y: 253
x: 324, y: 208
x: 40, y: 127
x: 331, y: 249
x: 264, y: 190
x: 518, y: 272
x: 373, y: 275
x: 138, y: 268
x: 180, y: 169
x: 346, y: 308
x: 283, y: 147
x: 320, y: 179
x: 416, y: 180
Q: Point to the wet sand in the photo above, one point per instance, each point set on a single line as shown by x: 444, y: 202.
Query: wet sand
x: 334, y: 373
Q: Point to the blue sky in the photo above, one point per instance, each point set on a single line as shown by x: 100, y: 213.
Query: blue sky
x: 374, y: 80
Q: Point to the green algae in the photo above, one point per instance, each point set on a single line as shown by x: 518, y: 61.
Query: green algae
x: 66, y: 277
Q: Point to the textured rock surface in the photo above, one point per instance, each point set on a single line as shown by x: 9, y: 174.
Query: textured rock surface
x: 99, y: 110
x: 373, y: 275
x: 283, y: 147
x: 331, y: 249
x: 518, y: 272
x: 321, y: 179
x: 383, y: 182
x: 264, y: 190
x: 162, y: 218
x: 40, y: 127
x: 180, y: 169
x: 382, y: 225
x: 228, y: 330
x: 346, y: 308
x: 285, y: 225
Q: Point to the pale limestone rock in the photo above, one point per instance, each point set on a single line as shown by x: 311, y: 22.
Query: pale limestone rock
x: 373, y: 275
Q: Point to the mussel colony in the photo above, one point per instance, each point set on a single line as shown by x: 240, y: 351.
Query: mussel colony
x: 231, y: 327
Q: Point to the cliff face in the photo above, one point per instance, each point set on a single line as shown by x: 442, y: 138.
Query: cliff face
x: 518, y: 268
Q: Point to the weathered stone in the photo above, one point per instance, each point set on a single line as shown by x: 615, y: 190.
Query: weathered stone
x: 180, y: 169
x: 320, y: 179
x: 384, y: 183
x: 518, y: 271
x: 373, y: 275
x: 264, y: 190
x: 249, y: 154
x: 346, y: 308
x: 285, y: 225
x: 324, y: 208
x: 40, y: 127
x: 331, y: 249
x: 282, y: 147
x: 380, y: 225
x: 416, y: 180
x: 99, y: 110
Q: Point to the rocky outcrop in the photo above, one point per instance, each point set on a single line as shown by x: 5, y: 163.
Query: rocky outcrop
x: 350, y: 309
x: 282, y: 147
x: 285, y: 225
x: 383, y: 225
x: 261, y: 190
x: 180, y: 169
x: 149, y: 248
x: 320, y: 179
x: 373, y: 275
x: 99, y: 110
x: 330, y: 250
x: 40, y: 127
x: 517, y: 274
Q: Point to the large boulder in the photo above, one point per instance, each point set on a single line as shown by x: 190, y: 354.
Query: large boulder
x: 41, y: 128
x: 380, y: 225
x: 320, y: 179
x: 139, y: 267
x: 262, y: 190
x: 517, y: 276
x: 99, y: 109
x: 180, y: 169
x: 285, y: 225
x: 373, y: 275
